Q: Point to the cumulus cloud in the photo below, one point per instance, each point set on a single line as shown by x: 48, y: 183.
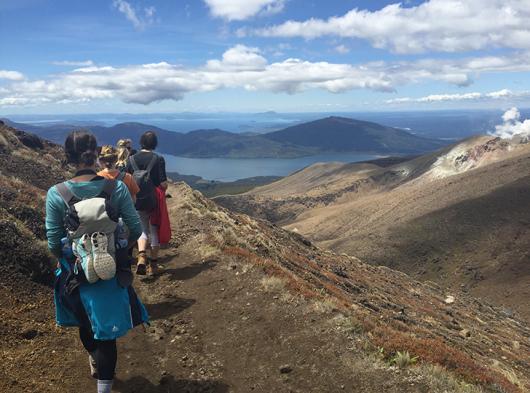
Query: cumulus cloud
x: 68, y: 63
x: 435, y: 25
x: 139, y: 19
x: 243, y: 9
x: 513, y: 126
x: 494, y: 95
x: 11, y: 75
x: 247, y: 68
x: 239, y: 57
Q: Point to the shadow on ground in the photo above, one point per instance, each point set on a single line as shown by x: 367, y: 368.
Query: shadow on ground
x: 167, y: 384
x: 168, y: 308
x: 190, y: 271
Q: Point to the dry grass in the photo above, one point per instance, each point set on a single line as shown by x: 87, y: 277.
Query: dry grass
x: 324, y: 306
x: 348, y: 324
x: 511, y: 376
x: 204, y: 246
x: 273, y: 284
x: 442, y: 381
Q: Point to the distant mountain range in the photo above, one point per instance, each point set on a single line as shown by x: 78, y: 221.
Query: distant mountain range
x: 328, y: 135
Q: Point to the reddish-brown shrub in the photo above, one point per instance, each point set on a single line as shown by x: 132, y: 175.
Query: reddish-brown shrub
x: 437, y: 352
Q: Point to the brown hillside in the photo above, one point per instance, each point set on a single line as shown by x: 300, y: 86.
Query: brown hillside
x: 28, y: 166
x: 459, y: 217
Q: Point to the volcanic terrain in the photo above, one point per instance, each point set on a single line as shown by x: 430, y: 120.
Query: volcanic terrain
x: 242, y: 305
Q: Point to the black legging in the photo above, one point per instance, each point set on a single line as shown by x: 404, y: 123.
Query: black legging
x: 104, y: 352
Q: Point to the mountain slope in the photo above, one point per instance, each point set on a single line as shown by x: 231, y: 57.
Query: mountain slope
x: 459, y: 216
x: 28, y: 166
x: 342, y: 134
x: 199, y: 143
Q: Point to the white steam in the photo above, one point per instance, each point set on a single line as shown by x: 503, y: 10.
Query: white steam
x: 513, y: 126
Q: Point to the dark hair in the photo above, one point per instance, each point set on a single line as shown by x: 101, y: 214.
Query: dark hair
x: 149, y: 140
x: 81, y: 148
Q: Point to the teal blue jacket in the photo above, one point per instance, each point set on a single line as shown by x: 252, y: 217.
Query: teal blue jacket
x: 111, y: 309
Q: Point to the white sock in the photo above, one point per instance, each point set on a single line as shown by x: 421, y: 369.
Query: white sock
x: 104, y: 386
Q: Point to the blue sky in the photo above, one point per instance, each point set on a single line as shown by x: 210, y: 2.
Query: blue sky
x: 255, y: 55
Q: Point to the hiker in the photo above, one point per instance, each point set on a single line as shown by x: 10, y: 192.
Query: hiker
x: 108, y: 158
x: 123, y: 148
x: 93, y: 281
x: 149, y: 171
x: 132, y: 151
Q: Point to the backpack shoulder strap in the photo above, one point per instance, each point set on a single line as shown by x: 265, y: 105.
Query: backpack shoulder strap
x: 152, y: 163
x: 108, y: 189
x: 66, y: 194
x: 134, y: 164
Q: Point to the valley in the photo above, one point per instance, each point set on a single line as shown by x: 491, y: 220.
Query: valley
x: 458, y: 216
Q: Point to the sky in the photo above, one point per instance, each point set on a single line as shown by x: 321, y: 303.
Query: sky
x: 148, y: 56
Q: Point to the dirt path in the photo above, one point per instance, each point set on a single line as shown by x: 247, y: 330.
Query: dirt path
x: 215, y: 329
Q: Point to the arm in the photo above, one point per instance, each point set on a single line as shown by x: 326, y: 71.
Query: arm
x: 55, y: 210
x: 122, y: 199
x: 162, y: 172
x: 128, y: 167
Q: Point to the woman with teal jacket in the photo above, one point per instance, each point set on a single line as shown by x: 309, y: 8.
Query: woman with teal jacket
x: 107, y: 308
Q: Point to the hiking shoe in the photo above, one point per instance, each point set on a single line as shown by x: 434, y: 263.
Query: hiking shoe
x: 104, y: 263
x: 93, y: 366
x: 152, y: 268
x: 83, y: 248
x: 141, y: 264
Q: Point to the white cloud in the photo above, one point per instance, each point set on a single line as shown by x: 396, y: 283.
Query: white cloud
x: 342, y: 49
x: 239, y: 57
x: 513, y: 126
x: 11, y: 75
x: 494, y: 95
x: 435, y: 25
x: 140, y: 21
x: 247, y: 68
x: 68, y: 63
x: 243, y: 9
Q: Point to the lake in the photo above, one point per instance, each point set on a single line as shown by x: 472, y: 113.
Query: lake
x: 230, y: 169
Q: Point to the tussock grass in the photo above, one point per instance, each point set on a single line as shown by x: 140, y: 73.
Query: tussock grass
x: 203, y: 246
x: 403, y: 359
x: 441, y: 381
x: 511, y: 376
x: 348, y: 324
x: 273, y: 284
x: 324, y: 306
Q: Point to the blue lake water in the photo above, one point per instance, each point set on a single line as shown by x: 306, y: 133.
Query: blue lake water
x: 229, y: 169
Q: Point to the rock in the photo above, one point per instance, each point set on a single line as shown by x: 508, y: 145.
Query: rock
x: 449, y: 299
x: 285, y: 369
x: 465, y: 333
x: 29, y: 334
